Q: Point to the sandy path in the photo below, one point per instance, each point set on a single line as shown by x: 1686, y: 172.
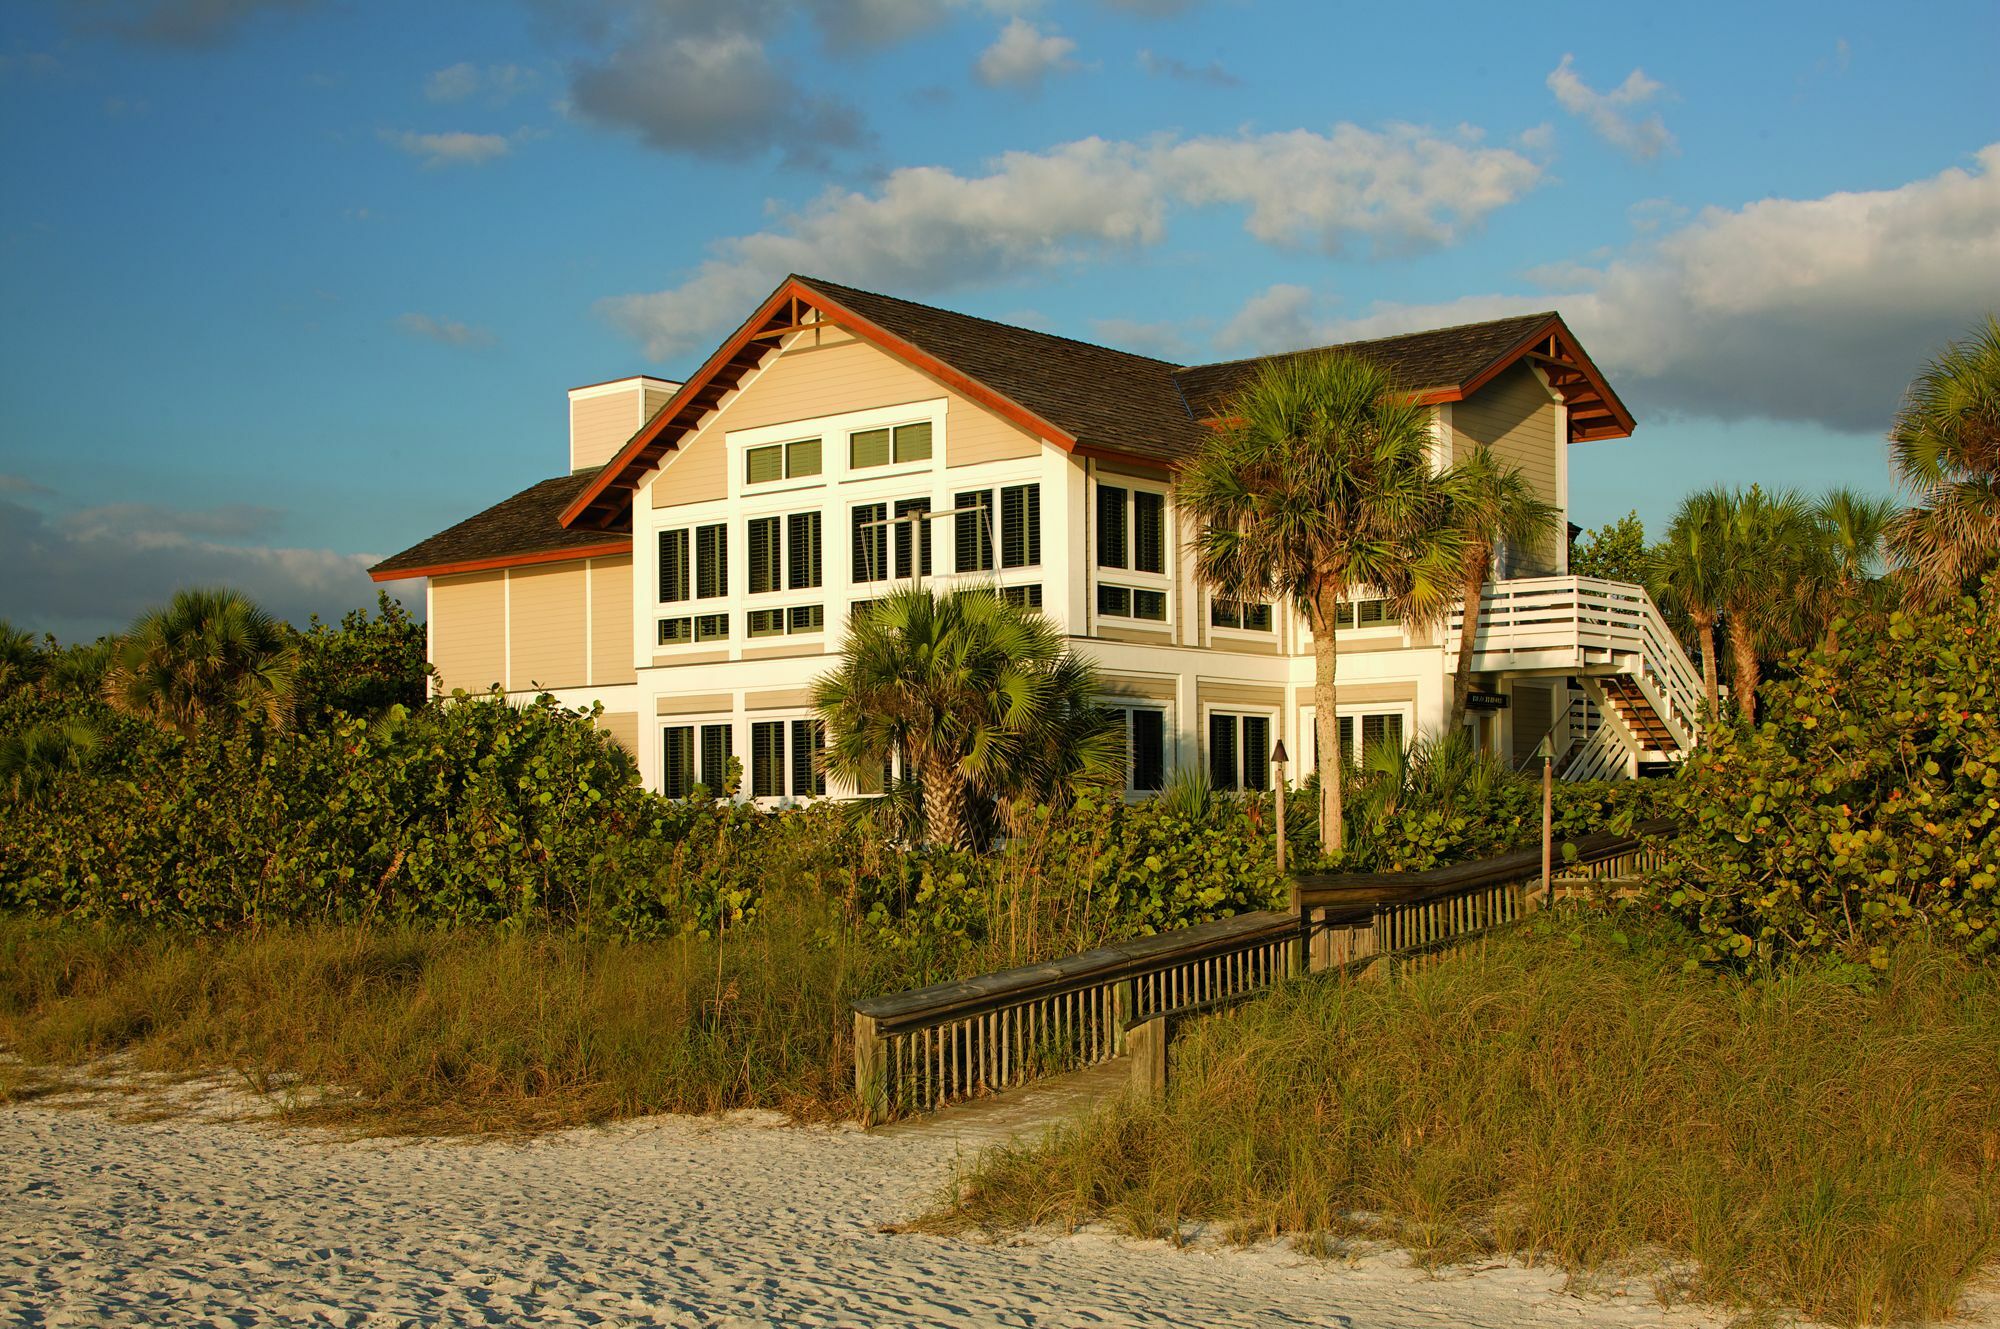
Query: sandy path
x: 669, y: 1221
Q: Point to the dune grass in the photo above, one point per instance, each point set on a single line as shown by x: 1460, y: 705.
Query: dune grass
x: 1573, y: 1093
x: 439, y: 1031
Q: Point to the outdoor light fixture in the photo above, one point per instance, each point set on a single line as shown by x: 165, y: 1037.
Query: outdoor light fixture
x: 1278, y: 759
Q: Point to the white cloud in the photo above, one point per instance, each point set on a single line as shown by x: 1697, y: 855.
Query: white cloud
x: 95, y: 571
x: 926, y: 229
x: 448, y: 332
x: 1612, y: 115
x: 464, y: 80
x: 1818, y: 310
x: 1023, y: 55
x: 1166, y: 66
x: 457, y: 148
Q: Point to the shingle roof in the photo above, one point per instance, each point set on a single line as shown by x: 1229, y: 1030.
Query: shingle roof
x: 525, y: 525
x: 1104, y: 398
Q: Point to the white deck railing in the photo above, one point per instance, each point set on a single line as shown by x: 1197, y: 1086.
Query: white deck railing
x: 1586, y: 624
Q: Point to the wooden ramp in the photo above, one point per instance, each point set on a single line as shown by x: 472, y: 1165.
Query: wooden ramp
x: 1019, y: 1115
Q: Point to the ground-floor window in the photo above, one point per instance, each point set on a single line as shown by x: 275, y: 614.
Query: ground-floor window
x: 786, y: 758
x: 693, y: 755
x: 1145, y: 748
x: 1362, y: 728
x: 1239, y: 751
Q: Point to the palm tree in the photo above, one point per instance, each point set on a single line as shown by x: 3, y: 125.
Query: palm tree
x: 209, y: 656
x: 1318, y: 482
x: 1852, y: 528
x: 1776, y: 561
x: 1693, y: 573
x: 21, y: 658
x: 979, y: 697
x: 1945, y: 445
x: 31, y: 759
x: 1495, y: 504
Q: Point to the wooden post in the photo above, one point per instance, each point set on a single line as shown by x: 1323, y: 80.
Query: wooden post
x: 1278, y: 760
x: 871, y: 1079
x: 1548, y: 826
x: 1147, y: 1042
x: 1124, y: 1005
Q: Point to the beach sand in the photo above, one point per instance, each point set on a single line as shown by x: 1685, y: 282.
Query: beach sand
x: 210, y: 1216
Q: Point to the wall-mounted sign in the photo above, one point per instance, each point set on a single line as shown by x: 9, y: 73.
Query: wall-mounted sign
x: 1485, y: 701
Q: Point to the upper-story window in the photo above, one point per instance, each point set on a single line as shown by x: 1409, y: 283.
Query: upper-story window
x: 694, y: 565
x: 1020, y: 528
x: 781, y: 461
x: 1242, y: 615
x: 882, y: 447
x: 785, y: 552
x: 1368, y: 614
x: 1131, y: 529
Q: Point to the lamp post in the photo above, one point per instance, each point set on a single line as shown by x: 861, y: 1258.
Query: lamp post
x: 1278, y: 759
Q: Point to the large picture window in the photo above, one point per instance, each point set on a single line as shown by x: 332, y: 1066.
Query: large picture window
x: 1131, y: 529
x: 785, y: 552
x: 786, y: 758
x: 1239, y: 751
x: 1019, y: 528
x: 694, y: 755
x: 694, y: 559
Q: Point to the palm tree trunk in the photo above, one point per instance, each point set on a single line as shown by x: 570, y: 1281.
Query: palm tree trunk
x: 1704, y: 625
x: 944, y: 803
x: 1743, y: 658
x: 1478, y: 560
x: 1326, y: 719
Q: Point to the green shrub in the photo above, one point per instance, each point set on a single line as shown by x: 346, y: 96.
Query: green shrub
x: 1864, y: 806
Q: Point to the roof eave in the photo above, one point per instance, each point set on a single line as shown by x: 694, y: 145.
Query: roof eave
x: 383, y: 572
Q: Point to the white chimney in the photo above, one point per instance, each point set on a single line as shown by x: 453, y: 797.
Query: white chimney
x: 604, y: 416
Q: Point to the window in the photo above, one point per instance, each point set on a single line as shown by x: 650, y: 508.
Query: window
x: 1021, y: 526
x: 1243, y: 615
x: 1239, y: 751
x: 779, y: 622
x: 1142, y: 513
x: 871, y: 542
x: 1111, y: 526
x: 1132, y: 602
x: 698, y: 627
x: 1378, y: 728
x: 781, y: 461
x: 1368, y: 614
x: 1145, y: 749
x: 1028, y: 597
x: 708, y: 570
x: 913, y: 538
x: 678, y: 748
x: 791, y: 563
x: 973, y: 532
x: 785, y: 758
x: 879, y: 447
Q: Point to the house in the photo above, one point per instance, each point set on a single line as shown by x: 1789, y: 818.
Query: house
x: 694, y: 569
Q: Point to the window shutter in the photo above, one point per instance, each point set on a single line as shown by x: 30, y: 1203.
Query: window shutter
x: 677, y: 761
x: 762, y: 465
x: 1149, y: 531
x: 870, y: 447
x: 974, y: 532
x: 716, y: 744
x: 1256, y: 752
x: 1110, y: 526
x: 1149, y: 750
x: 673, y: 566
x: 802, y: 458
x: 763, y: 555
x: 871, y: 542
x: 808, y: 742
x: 1347, y: 738
x: 803, y: 569
x: 913, y: 442
x: 767, y: 759
x: 711, y: 570
x: 1020, y: 526
x: 918, y: 531
x: 1222, y: 751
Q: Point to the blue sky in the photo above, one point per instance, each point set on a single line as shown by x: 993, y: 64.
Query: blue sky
x: 290, y: 284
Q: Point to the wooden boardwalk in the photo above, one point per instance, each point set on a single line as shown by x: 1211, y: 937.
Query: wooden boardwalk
x: 1019, y: 1114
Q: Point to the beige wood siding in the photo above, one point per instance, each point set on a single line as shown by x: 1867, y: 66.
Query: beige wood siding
x: 1515, y: 416
x: 1361, y: 694
x: 1138, y: 636
x: 546, y: 618
x: 623, y: 726
x: 611, y: 620
x: 599, y: 426
x: 1214, y: 692
x: 468, y: 632
x: 778, y: 699
x: 809, y: 382
x: 702, y: 703
x: 1149, y: 687
x: 1534, y: 711
x: 656, y: 397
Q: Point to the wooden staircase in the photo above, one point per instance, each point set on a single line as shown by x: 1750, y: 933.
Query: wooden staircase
x: 1633, y: 709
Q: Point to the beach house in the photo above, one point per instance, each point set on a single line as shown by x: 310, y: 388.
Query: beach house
x: 694, y: 568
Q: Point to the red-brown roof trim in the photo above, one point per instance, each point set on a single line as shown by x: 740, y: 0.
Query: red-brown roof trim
x: 576, y: 553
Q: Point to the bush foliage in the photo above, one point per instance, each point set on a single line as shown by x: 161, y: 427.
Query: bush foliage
x: 1865, y: 806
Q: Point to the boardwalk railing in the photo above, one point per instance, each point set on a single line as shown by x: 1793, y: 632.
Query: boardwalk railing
x: 916, y: 1051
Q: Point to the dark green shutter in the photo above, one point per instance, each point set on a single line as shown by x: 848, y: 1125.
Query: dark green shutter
x: 1149, y: 531
x: 1110, y: 526
x: 917, y: 531
x: 673, y: 566
x: 767, y: 759
x: 763, y: 555
x: 974, y: 532
x: 1222, y: 751
x: 677, y: 761
x: 802, y: 554
x: 1020, y: 526
x: 871, y: 542
x: 1149, y: 750
x: 716, y: 746
x: 1256, y: 752
x: 711, y: 561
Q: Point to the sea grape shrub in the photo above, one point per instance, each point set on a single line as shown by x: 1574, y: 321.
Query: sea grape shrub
x: 1864, y: 806
x: 361, y: 666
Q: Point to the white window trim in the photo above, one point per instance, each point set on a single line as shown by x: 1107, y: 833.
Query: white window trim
x: 1208, y: 599
x: 1406, y: 709
x: 747, y: 754
x: 696, y: 723
x: 832, y: 432
x: 1269, y: 713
